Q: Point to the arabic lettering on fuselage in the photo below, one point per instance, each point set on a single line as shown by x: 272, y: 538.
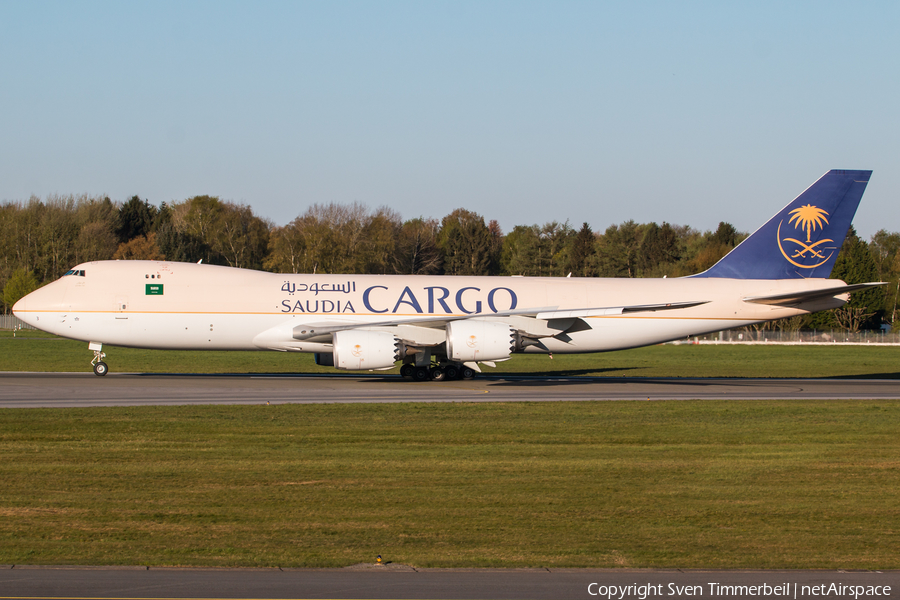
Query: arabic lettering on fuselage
x: 379, y: 299
x: 291, y: 288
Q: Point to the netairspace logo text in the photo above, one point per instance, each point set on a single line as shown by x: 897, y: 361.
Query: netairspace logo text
x: 717, y: 590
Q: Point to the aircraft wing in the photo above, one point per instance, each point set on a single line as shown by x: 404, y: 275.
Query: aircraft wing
x: 531, y: 322
x: 616, y: 310
x: 794, y: 298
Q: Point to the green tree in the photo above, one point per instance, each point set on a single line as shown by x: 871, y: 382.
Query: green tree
x: 286, y: 251
x: 583, y: 252
x: 335, y: 238
x: 725, y: 234
x: 58, y: 231
x: 240, y: 237
x: 218, y: 232
x: 380, y: 232
x: 184, y: 231
x: 467, y: 244
x: 180, y: 246
x: 659, y: 250
x: 20, y: 283
x: 97, y: 220
x: 496, y: 245
x: 618, y: 250
x: 885, y: 250
x: 196, y: 217
x: 136, y: 219
x: 522, y: 251
x: 711, y: 248
x: 304, y: 245
x: 556, y: 242
x: 854, y: 264
x: 9, y: 241
x: 173, y: 241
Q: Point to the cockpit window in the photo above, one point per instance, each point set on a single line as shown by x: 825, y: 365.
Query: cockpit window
x: 75, y: 272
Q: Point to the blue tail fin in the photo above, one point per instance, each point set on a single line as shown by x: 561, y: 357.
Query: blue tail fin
x: 803, y: 239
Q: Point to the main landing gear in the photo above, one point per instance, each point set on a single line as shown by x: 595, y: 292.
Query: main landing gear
x: 100, y: 367
x: 439, y: 372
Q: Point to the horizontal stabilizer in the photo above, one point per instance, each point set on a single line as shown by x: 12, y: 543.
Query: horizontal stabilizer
x: 809, y: 295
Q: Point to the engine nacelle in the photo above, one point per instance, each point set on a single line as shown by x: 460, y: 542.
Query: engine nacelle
x: 473, y: 340
x: 355, y: 350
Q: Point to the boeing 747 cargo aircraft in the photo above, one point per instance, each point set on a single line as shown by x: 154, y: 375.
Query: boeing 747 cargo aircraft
x: 444, y: 327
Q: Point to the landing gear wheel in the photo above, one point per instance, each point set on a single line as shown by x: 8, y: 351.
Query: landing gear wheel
x: 467, y: 373
x: 421, y: 374
x: 451, y: 372
x: 438, y: 374
x: 407, y: 371
x: 98, y: 365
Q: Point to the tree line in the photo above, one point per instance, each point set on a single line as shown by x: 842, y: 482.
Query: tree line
x: 42, y: 238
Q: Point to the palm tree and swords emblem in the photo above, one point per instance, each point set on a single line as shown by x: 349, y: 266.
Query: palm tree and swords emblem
x: 808, y: 218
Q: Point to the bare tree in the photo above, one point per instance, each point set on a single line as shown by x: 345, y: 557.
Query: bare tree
x: 851, y: 318
x: 417, y: 252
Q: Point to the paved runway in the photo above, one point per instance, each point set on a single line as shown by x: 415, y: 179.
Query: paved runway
x: 123, y: 389
x: 558, y: 584
x: 396, y: 581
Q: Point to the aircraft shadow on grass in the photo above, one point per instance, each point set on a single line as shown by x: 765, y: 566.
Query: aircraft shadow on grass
x: 866, y: 376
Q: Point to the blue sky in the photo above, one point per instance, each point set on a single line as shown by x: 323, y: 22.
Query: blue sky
x: 526, y: 112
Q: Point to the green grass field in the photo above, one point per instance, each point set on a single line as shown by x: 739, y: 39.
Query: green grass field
x: 751, y: 484
x: 37, y: 351
x: 791, y: 484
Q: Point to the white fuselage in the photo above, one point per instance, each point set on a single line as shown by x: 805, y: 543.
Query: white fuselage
x: 171, y: 305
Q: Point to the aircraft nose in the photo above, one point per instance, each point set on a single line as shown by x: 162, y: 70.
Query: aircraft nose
x: 20, y: 309
x: 46, y: 299
x: 19, y: 306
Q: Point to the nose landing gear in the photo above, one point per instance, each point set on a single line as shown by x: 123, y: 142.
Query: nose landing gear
x: 100, y: 367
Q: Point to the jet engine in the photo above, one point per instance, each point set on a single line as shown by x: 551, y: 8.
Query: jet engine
x: 355, y: 349
x: 473, y: 340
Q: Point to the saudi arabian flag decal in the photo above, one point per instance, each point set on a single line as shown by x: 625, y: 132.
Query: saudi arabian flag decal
x: 153, y: 289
